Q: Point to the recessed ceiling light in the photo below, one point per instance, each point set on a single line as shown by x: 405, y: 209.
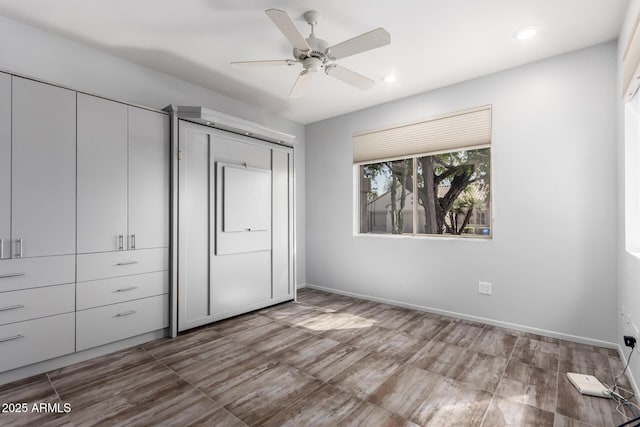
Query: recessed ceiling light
x: 526, y: 33
x: 389, y: 78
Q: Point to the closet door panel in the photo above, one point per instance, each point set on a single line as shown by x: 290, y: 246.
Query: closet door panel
x: 43, y: 169
x: 148, y: 179
x: 102, y: 174
x: 195, y: 297
x: 5, y: 165
x: 281, y: 221
x: 241, y: 280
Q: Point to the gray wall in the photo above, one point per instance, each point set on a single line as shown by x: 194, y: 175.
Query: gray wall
x: 28, y: 51
x: 628, y: 264
x: 552, y: 259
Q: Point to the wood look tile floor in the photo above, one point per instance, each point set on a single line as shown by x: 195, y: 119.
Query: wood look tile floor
x: 329, y: 360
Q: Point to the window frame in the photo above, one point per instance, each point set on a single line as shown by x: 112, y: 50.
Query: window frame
x: 415, y: 206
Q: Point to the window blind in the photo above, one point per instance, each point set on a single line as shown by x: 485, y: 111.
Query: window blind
x: 455, y: 131
x: 630, y: 62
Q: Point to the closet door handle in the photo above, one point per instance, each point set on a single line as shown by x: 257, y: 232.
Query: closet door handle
x: 15, y: 337
x: 6, y: 276
x: 133, y: 241
x: 120, y: 242
x: 125, y: 313
x: 127, y: 263
x: 130, y: 288
x: 11, y: 307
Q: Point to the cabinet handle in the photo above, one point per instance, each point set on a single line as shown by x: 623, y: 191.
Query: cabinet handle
x: 1, y: 248
x: 15, y: 337
x: 6, y: 276
x: 127, y: 262
x: 130, y: 288
x: 133, y: 241
x: 11, y: 307
x: 20, y: 247
x: 120, y: 242
x: 125, y: 313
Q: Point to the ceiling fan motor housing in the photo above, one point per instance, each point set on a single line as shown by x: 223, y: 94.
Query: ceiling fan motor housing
x: 318, y: 49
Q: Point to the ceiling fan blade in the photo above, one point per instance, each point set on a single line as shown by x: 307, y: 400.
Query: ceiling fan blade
x: 302, y: 83
x: 271, y: 62
x: 348, y: 76
x: 367, y: 41
x: 288, y: 28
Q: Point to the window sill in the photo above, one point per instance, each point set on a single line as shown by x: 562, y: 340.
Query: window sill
x: 425, y: 237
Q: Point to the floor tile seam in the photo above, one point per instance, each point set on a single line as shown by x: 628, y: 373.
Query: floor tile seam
x: 367, y: 401
x: 495, y: 392
x: 118, y: 372
x: 55, y: 390
x: 303, y: 396
x: 195, y: 388
x: 435, y: 337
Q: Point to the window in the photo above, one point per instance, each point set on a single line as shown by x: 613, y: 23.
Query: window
x: 631, y: 96
x: 441, y: 186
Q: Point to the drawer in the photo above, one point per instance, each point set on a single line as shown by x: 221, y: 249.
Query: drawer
x: 123, y: 263
x: 25, y: 273
x: 32, y: 341
x: 29, y: 304
x: 120, y: 289
x: 102, y: 325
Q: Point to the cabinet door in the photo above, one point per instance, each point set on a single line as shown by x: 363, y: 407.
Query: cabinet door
x: 148, y: 179
x: 43, y: 169
x: 5, y: 165
x: 102, y: 174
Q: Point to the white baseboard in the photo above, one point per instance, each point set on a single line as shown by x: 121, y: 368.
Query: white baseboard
x: 301, y: 286
x: 493, y: 322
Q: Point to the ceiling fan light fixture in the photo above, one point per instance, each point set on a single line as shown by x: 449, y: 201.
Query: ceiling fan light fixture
x: 526, y: 33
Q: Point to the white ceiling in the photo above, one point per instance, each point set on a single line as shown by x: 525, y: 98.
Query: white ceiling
x: 434, y: 43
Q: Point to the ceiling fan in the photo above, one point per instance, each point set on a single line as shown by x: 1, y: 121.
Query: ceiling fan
x: 315, y: 54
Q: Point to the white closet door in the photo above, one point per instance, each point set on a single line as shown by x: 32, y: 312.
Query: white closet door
x: 281, y: 237
x: 5, y: 165
x: 195, y: 212
x: 43, y: 169
x: 102, y: 174
x: 148, y: 179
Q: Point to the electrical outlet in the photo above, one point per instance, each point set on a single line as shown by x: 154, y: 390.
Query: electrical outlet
x: 629, y: 341
x: 484, y: 288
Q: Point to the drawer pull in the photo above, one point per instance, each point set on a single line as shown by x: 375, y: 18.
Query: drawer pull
x: 125, y: 313
x: 11, y: 307
x: 130, y: 288
x: 127, y: 263
x: 15, y: 337
x: 6, y: 276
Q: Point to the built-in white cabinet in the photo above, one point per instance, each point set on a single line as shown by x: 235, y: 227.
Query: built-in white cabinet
x: 37, y: 221
x: 123, y: 221
x: 123, y: 176
x: 84, y: 221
